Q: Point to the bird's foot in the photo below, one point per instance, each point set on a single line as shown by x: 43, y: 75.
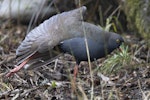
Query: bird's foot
x: 17, y: 68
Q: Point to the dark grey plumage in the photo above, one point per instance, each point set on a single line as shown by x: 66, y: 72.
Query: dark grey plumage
x: 99, y: 46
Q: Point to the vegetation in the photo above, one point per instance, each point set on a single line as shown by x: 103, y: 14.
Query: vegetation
x: 117, y: 61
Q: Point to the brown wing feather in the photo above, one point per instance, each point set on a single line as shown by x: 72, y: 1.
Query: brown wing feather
x: 48, y: 34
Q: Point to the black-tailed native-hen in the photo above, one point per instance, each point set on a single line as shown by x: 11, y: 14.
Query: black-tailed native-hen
x: 67, y: 31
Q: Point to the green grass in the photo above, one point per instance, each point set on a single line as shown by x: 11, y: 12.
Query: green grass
x: 116, y: 62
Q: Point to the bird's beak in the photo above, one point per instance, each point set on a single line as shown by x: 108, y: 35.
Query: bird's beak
x: 120, y: 49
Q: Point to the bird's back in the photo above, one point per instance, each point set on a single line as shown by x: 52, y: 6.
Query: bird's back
x: 77, y: 47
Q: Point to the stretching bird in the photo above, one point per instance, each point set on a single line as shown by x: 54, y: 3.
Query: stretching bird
x: 67, y: 31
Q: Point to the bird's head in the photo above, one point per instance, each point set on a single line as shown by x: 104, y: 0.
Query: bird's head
x: 115, y: 40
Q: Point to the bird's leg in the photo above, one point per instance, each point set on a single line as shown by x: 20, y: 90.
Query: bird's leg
x: 17, y: 68
x: 73, y: 83
x: 75, y: 72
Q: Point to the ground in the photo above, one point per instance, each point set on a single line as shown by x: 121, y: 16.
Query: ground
x: 55, y: 81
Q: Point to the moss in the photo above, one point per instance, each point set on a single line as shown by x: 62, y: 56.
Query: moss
x: 131, y: 11
x: 138, y: 17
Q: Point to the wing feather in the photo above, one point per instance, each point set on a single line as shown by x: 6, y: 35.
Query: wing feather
x: 48, y: 34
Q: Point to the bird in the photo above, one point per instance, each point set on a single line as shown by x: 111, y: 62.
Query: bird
x: 66, y: 30
x: 36, y: 48
x: 98, y: 46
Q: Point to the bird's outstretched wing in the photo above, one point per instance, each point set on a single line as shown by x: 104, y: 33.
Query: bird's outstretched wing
x: 48, y: 34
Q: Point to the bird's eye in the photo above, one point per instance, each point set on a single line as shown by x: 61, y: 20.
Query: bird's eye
x: 117, y: 41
